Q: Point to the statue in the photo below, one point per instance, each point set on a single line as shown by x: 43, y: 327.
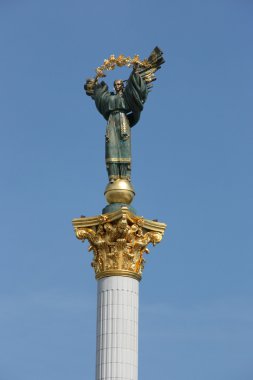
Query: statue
x: 123, y: 107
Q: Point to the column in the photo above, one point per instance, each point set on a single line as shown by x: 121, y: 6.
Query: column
x: 119, y: 242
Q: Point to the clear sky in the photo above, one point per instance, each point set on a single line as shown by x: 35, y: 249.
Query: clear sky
x: 192, y: 168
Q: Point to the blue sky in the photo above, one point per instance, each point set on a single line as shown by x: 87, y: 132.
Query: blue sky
x: 192, y: 168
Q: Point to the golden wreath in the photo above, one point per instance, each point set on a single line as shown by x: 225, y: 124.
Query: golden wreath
x: 112, y: 62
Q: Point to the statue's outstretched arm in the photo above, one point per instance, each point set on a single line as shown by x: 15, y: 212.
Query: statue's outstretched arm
x: 92, y: 85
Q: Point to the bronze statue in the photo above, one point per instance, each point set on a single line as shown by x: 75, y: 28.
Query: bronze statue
x: 122, y: 109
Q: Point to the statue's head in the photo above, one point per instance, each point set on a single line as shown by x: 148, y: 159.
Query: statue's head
x: 118, y: 86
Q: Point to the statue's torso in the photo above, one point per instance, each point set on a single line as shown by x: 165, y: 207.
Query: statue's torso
x: 117, y: 103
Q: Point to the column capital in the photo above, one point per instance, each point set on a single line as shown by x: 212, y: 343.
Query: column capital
x: 118, y: 241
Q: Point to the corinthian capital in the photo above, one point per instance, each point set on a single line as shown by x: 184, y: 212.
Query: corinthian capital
x: 118, y: 241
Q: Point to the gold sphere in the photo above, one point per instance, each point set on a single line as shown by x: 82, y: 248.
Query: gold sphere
x: 120, y: 191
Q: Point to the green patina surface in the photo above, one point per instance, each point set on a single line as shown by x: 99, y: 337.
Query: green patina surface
x: 122, y: 112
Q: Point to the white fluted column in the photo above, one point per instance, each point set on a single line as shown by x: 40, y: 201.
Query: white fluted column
x: 117, y: 328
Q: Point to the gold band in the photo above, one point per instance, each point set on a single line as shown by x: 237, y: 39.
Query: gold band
x: 124, y: 273
x: 115, y: 160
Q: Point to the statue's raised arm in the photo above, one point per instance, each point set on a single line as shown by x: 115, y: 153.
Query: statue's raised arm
x: 122, y: 108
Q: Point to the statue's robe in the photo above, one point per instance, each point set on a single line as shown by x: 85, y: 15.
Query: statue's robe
x: 121, y: 112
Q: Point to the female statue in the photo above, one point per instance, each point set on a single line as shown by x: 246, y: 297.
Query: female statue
x: 122, y: 110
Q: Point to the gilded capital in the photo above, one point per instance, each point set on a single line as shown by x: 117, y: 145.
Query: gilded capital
x: 118, y: 241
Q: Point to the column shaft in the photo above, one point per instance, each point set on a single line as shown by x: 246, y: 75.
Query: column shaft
x: 117, y: 328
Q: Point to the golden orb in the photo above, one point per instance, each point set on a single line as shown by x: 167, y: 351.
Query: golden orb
x: 120, y: 191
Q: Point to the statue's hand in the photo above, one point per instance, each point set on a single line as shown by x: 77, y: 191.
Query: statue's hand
x: 89, y: 86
